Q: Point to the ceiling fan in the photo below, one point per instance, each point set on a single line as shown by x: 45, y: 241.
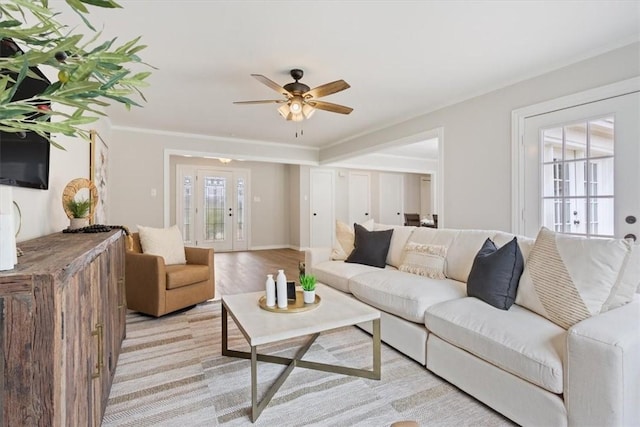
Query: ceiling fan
x: 300, y: 101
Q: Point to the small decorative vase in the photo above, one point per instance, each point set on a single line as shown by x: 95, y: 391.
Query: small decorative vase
x: 78, y: 223
x: 271, y: 291
x: 281, y: 289
x: 309, y: 297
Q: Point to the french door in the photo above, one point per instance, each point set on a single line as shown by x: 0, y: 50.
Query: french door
x: 581, y: 169
x: 211, y: 207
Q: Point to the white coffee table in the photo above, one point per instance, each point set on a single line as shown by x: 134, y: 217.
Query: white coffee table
x: 260, y: 327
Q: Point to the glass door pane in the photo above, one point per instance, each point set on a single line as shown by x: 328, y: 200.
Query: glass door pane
x: 215, y: 189
x: 577, y: 177
x: 187, y: 207
x: 240, y: 211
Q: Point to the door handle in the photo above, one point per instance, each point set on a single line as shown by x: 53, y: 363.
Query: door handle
x: 315, y: 214
x: 366, y: 214
x: 630, y: 219
x: 631, y: 236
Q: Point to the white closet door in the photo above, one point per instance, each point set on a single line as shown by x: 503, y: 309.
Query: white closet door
x: 359, y: 197
x: 391, y: 199
x: 322, y: 208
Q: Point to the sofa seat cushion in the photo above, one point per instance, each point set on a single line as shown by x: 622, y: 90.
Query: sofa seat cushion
x: 403, y: 294
x: 185, y: 275
x: 337, y: 273
x: 517, y: 341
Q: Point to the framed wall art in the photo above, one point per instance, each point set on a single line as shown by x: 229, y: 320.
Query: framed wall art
x: 98, y: 174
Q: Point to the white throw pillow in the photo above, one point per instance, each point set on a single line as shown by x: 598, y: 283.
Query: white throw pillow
x: 164, y: 242
x: 568, y: 278
x: 345, y: 237
x: 424, y: 260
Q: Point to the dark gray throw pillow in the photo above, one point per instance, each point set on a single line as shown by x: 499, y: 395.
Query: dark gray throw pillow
x: 495, y: 274
x: 370, y: 247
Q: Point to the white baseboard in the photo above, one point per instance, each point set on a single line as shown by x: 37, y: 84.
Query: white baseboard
x: 262, y: 248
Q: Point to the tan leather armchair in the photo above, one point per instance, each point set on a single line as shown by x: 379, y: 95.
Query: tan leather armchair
x: 157, y: 289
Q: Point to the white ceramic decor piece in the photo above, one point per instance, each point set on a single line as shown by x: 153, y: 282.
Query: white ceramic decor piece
x: 8, y: 253
x: 281, y: 285
x: 271, y: 291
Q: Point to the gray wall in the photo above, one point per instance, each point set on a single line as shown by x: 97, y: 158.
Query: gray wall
x: 477, y: 137
x: 477, y: 154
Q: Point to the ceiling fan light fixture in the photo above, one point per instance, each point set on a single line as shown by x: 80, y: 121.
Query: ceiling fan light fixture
x: 296, y: 105
x: 284, y: 111
x: 300, y: 101
x: 307, y: 111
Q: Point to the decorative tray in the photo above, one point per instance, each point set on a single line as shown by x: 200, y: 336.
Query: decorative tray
x: 296, y: 306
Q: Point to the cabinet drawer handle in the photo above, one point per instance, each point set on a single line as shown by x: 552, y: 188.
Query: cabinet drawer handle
x: 123, y: 297
x: 98, y: 332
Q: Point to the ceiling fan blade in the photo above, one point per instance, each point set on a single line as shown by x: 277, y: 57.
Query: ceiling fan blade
x: 264, y: 101
x: 328, y: 106
x: 273, y: 85
x: 327, y: 89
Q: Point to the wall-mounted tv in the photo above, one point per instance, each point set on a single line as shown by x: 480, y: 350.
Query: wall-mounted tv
x: 24, y: 162
x: 24, y: 158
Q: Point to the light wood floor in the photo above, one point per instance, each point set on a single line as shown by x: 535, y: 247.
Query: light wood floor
x: 239, y: 272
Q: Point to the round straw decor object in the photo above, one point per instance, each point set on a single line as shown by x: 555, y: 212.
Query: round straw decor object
x: 72, y: 189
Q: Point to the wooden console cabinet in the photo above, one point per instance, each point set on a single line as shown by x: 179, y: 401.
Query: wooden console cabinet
x: 62, y: 324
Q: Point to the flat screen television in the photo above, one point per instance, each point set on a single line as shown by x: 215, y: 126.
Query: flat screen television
x: 24, y: 158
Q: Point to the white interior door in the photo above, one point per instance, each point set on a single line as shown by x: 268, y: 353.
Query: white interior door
x: 391, y: 199
x: 425, y: 196
x: 359, y: 197
x: 581, y: 169
x: 322, y: 208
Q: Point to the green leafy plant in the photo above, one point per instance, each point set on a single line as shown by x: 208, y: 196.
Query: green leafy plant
x: 91, y: 73
x: 79, y: 208
x: 308, y: 282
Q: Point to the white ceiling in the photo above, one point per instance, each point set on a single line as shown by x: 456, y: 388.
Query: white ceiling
x: 401, y: 58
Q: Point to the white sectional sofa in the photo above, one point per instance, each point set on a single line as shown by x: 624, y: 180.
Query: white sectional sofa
x: 524, y: 366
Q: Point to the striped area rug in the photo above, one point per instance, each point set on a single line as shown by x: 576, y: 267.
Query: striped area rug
x: 171, y: 373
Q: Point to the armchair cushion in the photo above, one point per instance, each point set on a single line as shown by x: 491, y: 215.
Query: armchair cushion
x: 164, y: 242
x: 185, y: 275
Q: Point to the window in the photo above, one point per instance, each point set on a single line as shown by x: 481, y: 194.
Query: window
x: 187, y: 194
x: 577, y: 164
x: 240, y: 228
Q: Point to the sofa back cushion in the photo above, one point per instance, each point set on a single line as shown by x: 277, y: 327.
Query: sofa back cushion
x: 463, y: 250
x: 399, y: 239
x: 525, y: 243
